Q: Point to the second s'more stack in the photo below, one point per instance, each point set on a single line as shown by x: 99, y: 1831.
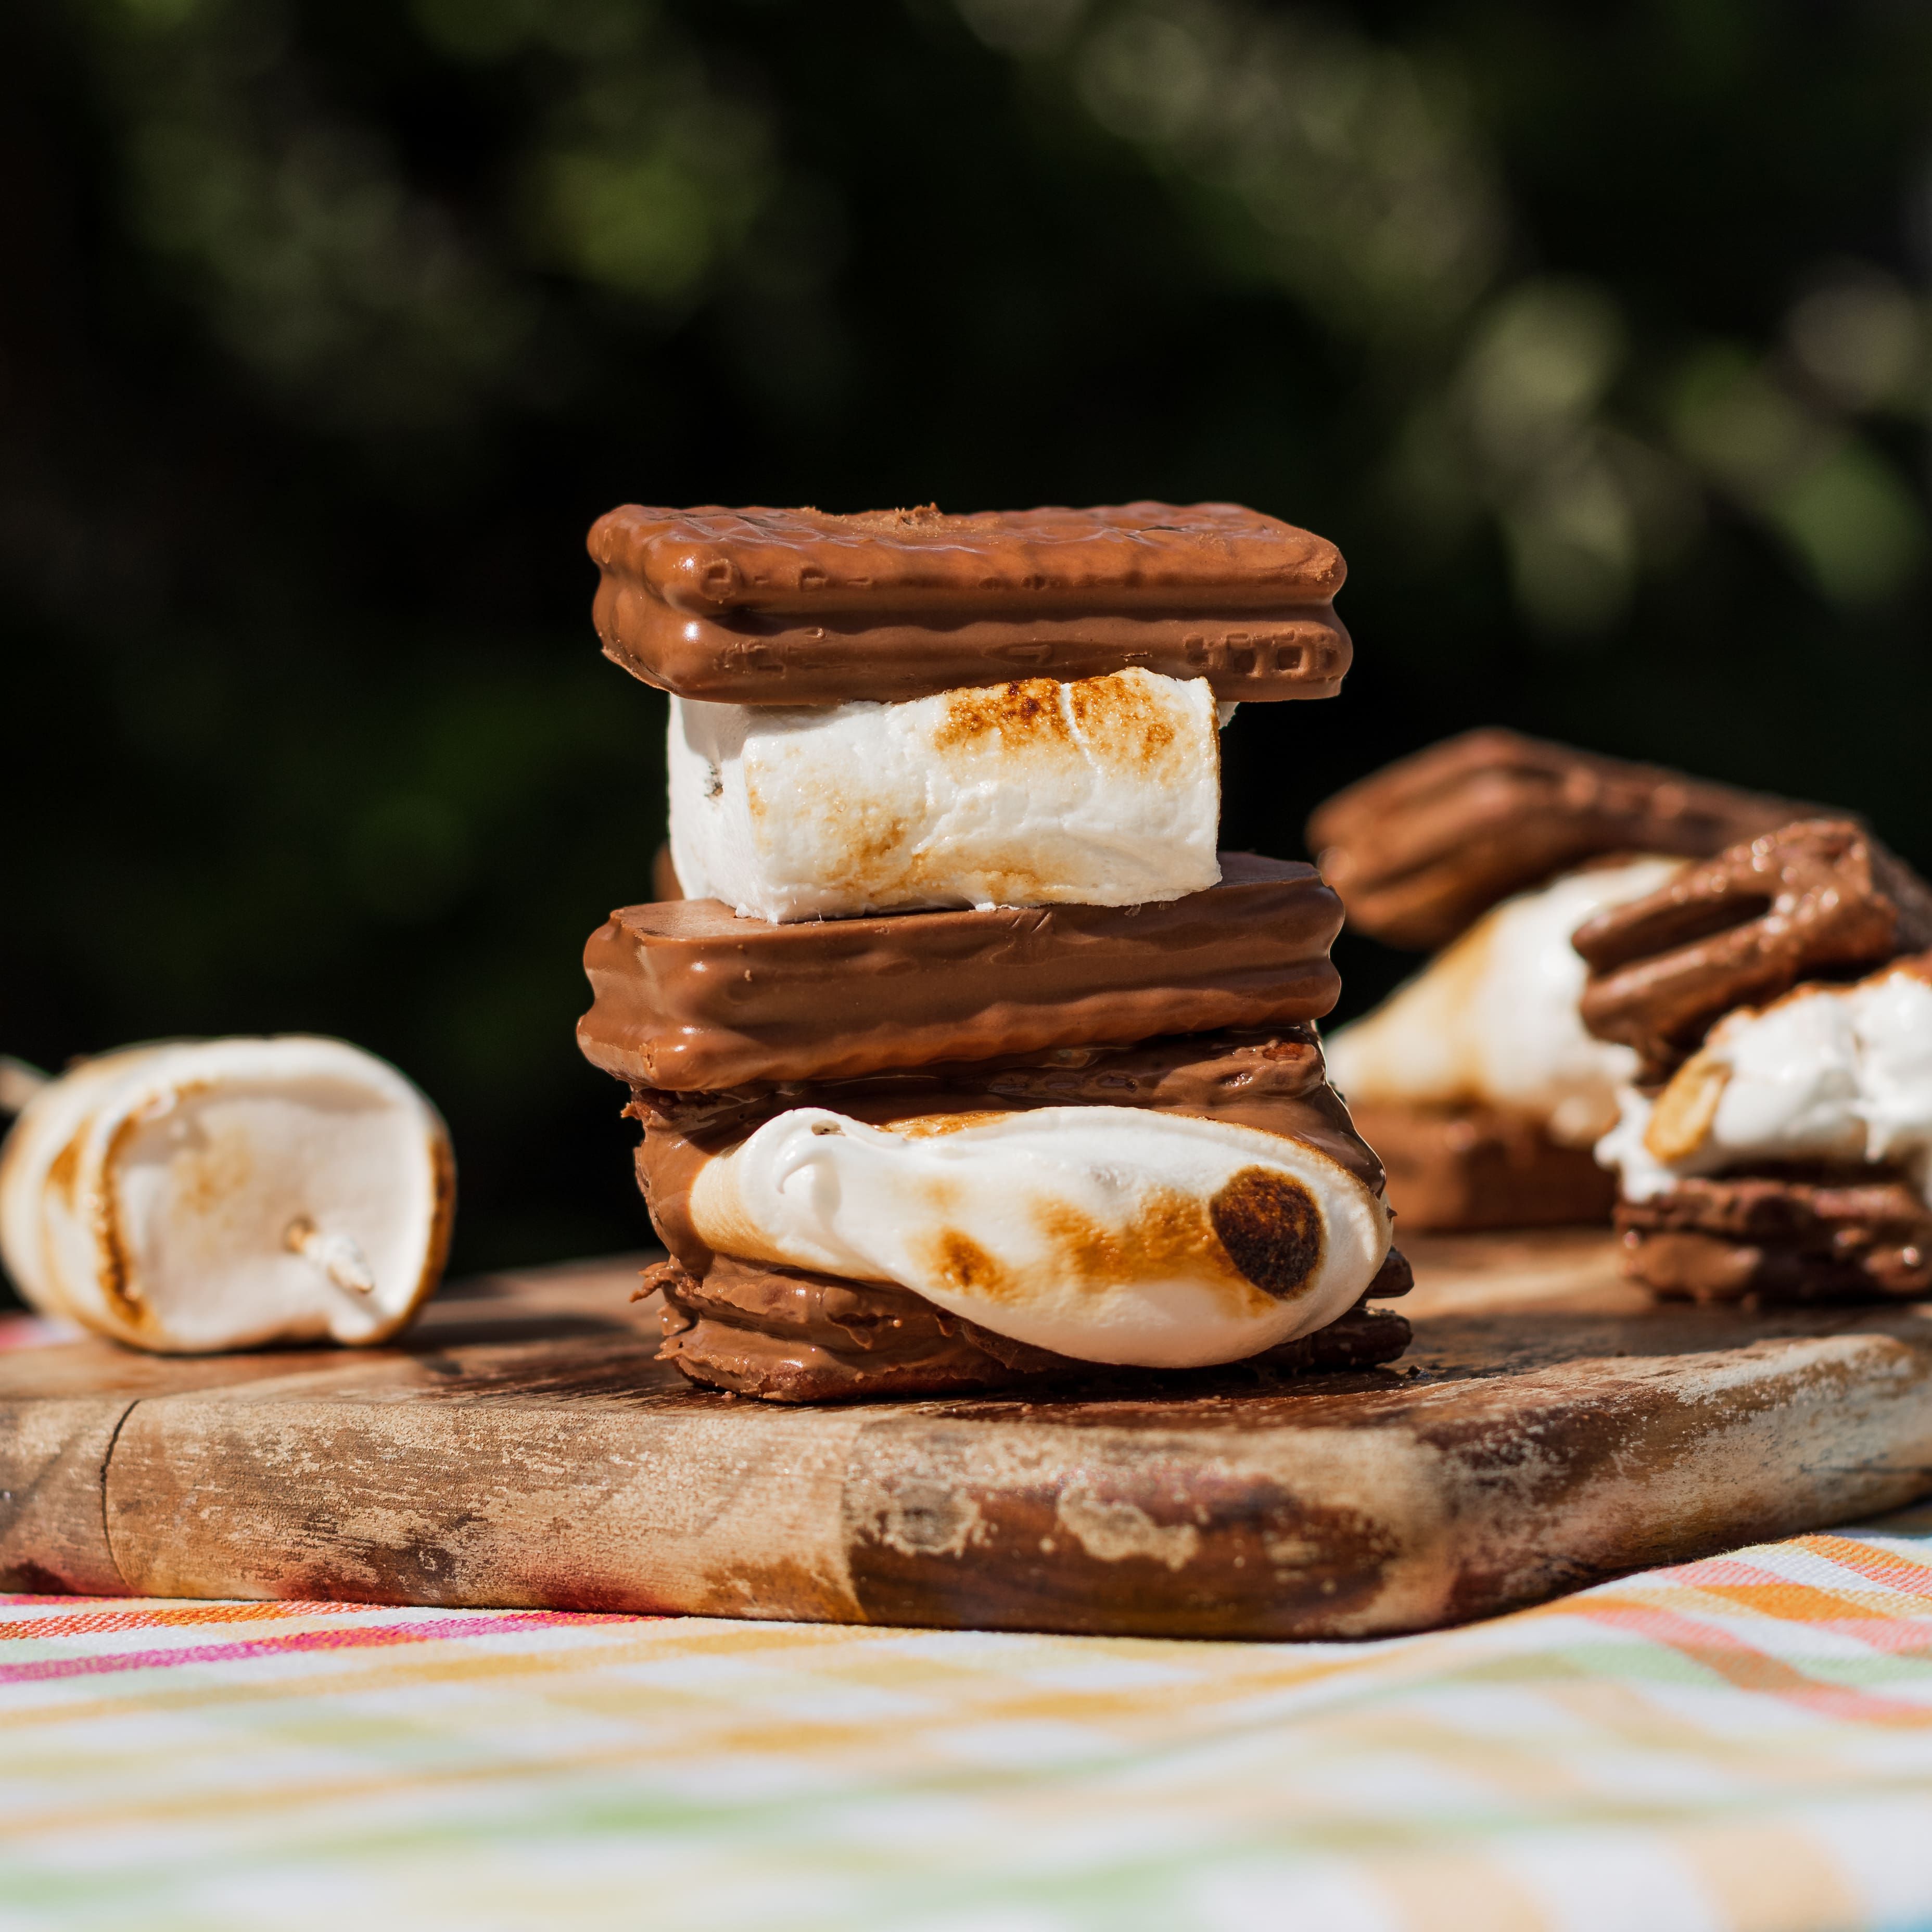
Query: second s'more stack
x: 1712, y: 1026
x: 966, y: 1060
x: 1775, y: 1143
x: 1478, y: 1081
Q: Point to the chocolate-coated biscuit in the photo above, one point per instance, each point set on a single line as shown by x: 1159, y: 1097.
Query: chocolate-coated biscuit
x: 797, y: 607
x: 1821, y: 896
x: 1462, y: 1168
x: 1863, y: 1236
x: 1421, y: 849
x: 785, y: 1335
x: 690, y: 998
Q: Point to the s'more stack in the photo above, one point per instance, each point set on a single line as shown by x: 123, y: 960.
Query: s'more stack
x: 1773, y: 1144
x: 1480, y: 1082
x: 965, y: 1060
x: 1703, y: 1013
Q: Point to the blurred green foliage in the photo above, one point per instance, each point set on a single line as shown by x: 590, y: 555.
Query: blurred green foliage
x: 1597, y: 336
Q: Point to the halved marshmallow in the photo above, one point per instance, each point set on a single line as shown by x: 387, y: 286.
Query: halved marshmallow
x: 1104, y: 792
x: 222, y: 1194
x: 1829, y: 1073
x: 1108, y: 1234
x: 1492, y: 1019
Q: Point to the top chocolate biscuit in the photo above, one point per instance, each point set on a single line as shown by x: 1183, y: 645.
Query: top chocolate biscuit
x: 800, y: 606
x: 1421, y: 849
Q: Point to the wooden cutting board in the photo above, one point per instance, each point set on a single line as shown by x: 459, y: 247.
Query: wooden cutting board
x: 1548, y: 1428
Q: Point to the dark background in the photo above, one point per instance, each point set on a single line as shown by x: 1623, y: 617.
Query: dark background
x: 1596, y: 335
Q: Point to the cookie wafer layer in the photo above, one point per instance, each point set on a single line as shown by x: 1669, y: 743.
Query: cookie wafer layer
x: 1421, y: 848
x: 798, y: 607
x: 689, y: 997
x: 1818, y: 897
x: 1859, y: 1235
x: 786, y: 1335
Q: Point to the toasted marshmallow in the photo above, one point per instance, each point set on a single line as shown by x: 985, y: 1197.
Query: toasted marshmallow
x: 1829, y: 1073
x: 223, y: 1194
x: 1493, y: 1021
x: 1108, y: 1234
x: 1105, y: 792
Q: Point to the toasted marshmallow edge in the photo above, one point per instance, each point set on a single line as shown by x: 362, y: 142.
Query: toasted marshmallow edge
x: 221, y: 1194
x: 1106, y: 791
x: 1096, y: 1232
x: 1832, y: 1073
x: 1492, y: 1019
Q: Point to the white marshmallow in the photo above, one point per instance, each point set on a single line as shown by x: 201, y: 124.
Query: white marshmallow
x: 1104, y: 792
x: 1833, y: 1073
x: 222, y: 1194
x: 1492, y: 1019
x: 1090, y: 1230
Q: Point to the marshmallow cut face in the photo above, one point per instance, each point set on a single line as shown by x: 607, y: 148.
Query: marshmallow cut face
x: 1106, y: 791
x: 1492, y: 1020
x: 1108, y: 1234
x: 1838, y: 1074
x: 226, y: 1194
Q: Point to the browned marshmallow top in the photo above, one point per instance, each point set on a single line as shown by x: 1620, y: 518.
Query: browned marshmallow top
x: 1422, y: 848
x: 801, y: 606
x: 691, y: 998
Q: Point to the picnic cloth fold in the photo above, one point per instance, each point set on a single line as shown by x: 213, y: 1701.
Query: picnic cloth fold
x: 1742, y: 1745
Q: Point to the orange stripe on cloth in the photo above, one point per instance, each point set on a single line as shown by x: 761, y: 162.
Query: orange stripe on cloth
x: 1747, y: 1667
x: 1829, y: 1611
x: 1876, y: 1564
x: 1777, y: 1881
x: 92, y: 1616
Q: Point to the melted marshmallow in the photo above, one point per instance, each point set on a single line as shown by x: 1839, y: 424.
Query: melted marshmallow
x: 1094, y: 1231
x: 1103, y: 792
x: 1832, y: 1073
x: 1492, y: 1019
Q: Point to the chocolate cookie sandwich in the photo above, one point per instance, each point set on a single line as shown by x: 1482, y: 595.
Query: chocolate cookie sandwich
x: 1420, y: 850
x: 1477, y: 1082
x: 1776, y: 1144
x: 968, y: 1062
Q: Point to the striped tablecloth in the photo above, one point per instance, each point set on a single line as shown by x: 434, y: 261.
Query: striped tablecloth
x: 1741, y: 1743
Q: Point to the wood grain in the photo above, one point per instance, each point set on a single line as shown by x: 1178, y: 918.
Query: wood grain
x: 1549, y: 1427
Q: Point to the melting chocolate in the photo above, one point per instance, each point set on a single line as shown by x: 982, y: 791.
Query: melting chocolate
x: 797, y: 607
